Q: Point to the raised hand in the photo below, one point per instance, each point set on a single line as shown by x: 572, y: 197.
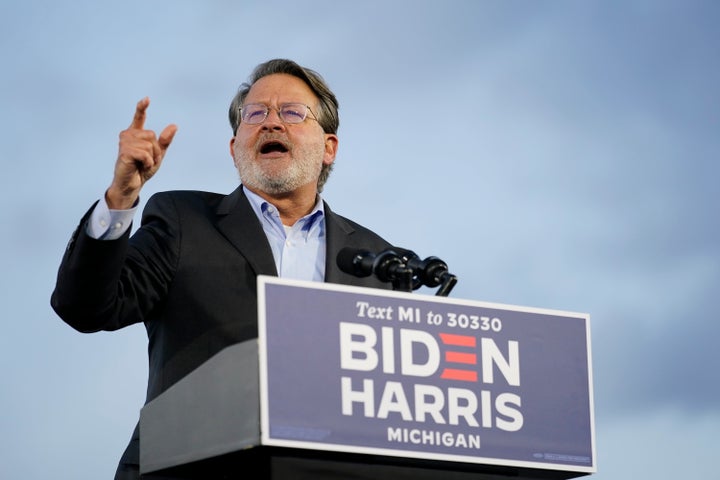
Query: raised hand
x: 140, y: 154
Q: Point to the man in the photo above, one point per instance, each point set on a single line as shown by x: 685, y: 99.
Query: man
x: 189, y: 272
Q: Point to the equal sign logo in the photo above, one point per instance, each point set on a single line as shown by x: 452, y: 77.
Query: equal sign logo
x: 459, y: 356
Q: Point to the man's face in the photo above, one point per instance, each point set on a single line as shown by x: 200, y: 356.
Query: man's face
x: 276, y: 157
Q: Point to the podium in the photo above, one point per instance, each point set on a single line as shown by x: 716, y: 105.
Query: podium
x: 349, y: 382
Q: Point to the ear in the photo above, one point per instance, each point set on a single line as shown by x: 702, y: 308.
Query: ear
x: 331, y: 146
x: 232, y: 150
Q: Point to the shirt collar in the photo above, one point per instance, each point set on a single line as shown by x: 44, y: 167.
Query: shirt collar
x: 260, y: 206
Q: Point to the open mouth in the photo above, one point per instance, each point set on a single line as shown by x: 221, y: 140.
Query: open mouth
x: 273, y: 146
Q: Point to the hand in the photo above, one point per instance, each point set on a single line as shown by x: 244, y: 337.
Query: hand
x: 140, y: 154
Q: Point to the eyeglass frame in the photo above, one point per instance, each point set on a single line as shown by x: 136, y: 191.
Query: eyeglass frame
x: 279, y: 111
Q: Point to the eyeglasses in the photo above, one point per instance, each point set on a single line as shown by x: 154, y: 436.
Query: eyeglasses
x: 256, y: 113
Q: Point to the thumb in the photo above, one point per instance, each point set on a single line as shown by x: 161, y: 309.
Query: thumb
x: 167, y: 135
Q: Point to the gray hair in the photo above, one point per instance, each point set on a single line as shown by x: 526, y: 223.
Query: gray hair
x: 327, y: 116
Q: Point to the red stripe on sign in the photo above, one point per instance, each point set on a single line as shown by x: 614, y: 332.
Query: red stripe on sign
x: 458, y: 357
x: 456, y: 374
x: 460, y: 340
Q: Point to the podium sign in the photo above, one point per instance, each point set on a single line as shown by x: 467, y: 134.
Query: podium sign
x: 352, y: 369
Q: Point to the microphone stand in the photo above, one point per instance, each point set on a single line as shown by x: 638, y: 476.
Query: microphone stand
x: 407, y: 272
x: 403, y: 279
x: 430, y: 272
x: 449, y: 281
x: 388, y: 266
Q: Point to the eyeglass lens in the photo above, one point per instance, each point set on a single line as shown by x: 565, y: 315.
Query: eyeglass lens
x: 255, y: 113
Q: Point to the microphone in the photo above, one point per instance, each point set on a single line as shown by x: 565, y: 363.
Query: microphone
x: 403, y: 267
x: 430, y: 272
x: 356, y: 261
x: 386, y: 265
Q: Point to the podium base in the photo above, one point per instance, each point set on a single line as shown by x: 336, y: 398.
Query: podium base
x: 277, y: 463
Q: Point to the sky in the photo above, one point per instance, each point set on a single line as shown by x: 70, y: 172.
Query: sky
x: 560, y: 154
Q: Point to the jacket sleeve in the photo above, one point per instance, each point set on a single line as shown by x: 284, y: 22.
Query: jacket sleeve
x: 110, y: 284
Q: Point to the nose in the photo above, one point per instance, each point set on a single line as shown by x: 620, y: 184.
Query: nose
x: 272, y: 121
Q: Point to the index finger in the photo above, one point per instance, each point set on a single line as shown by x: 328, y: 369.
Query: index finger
x: 138, y: 120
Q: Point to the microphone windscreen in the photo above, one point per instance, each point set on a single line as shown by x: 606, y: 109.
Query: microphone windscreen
x: 354, y: 261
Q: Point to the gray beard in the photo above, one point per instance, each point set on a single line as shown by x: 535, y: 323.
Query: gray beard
x: 303, y: 170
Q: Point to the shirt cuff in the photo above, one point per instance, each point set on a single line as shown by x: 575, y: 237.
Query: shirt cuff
x: 106, y: 224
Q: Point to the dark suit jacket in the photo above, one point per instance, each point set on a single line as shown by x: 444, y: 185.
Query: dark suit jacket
x: 189, y: 274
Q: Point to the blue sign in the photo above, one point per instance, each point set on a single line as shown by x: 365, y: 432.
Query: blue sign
x: 362, y: 370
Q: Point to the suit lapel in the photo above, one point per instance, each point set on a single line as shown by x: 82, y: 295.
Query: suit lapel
x: 238, y: 223
x: 337, y: 232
